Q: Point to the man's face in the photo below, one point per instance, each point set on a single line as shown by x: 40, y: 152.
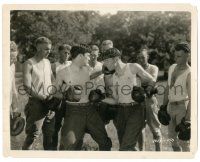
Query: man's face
x: 13, y: 57
x: 105, y: 46
x: 64, y: 55
x: 94, y: 55
x: 85, y: 59
x: 109, y: 63
x: 181, y: 57
x: 44, y: 49
x: 142, y: 58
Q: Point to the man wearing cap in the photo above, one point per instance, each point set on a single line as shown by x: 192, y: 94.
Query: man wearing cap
x: 80, y: 114
x: 129, y: 120
x: 177, y: 95
x: 37, y: 77
x: 151, y: 103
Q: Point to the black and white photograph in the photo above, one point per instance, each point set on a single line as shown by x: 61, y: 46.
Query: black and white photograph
x: 101, y: 80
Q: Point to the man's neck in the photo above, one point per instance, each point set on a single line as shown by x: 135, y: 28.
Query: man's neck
x: 120, y: 67
x: 182, y: 66
x: 146, y: 65
x: 75, y: 65
x: 93, y: 63
x: 38, y: 57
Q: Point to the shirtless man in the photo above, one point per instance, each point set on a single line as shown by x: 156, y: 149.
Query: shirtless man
x: 177, y: 95
x: 80, y: 116
x: 37, y: 77
x: 129, y: 120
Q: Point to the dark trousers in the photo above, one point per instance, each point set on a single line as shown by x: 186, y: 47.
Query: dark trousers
x: 36, y: 112
x: 78, y: 120
x: 106, y: 112
x: 59, y: 116
x: 129, y: 123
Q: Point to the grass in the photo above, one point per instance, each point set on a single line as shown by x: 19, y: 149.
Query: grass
x: 89, y: 143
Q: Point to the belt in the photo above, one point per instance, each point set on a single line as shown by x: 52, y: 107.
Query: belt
x: 127, y: 104
x: 78, y: 104
x: 177, y: 102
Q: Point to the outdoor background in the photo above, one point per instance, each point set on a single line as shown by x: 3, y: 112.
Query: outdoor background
x: 129, y: 31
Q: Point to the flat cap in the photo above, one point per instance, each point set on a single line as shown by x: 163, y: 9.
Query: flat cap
x: 110, y: 53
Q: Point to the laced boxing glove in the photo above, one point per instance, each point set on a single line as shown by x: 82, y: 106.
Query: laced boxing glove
x: 96, y: 95
x: 105, y: 71
x: 17, y: 123
x: 72, y: 94
x: 138, y: 94
x: 150, y: 91
x: 163, y: 116
x: 184, y: 130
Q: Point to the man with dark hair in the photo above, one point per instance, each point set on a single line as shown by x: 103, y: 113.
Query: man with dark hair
x: 151, y: 103
x: 80, y: 115
x: 37, y: 77
x: 129, y: 119
x: 177, y: 98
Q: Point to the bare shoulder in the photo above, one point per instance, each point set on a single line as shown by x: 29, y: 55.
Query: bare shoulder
x: 153, y: 67
x: 28, y: 63
x: 134, y: 67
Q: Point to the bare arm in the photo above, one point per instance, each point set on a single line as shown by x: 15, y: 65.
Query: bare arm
x: 60, y: 84
x: 14, y: 96
x: 146, y: 77
x: 154, y: 73
x: 95, y: 75
x: 188, y: 112
x: 166, y: 93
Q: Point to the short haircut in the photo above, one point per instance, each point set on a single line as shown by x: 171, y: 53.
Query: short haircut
x: 42, y: 40
x: 13, y: 47
x: 81, y: 49
x: 64, y: 46
x: 107, y: 42
x: 183, y: 46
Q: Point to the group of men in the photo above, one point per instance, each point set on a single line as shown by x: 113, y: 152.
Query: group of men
x: 87, y: 94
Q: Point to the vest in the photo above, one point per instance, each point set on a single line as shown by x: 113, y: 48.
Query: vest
x: 179, y: 90
x: 41, y: 78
